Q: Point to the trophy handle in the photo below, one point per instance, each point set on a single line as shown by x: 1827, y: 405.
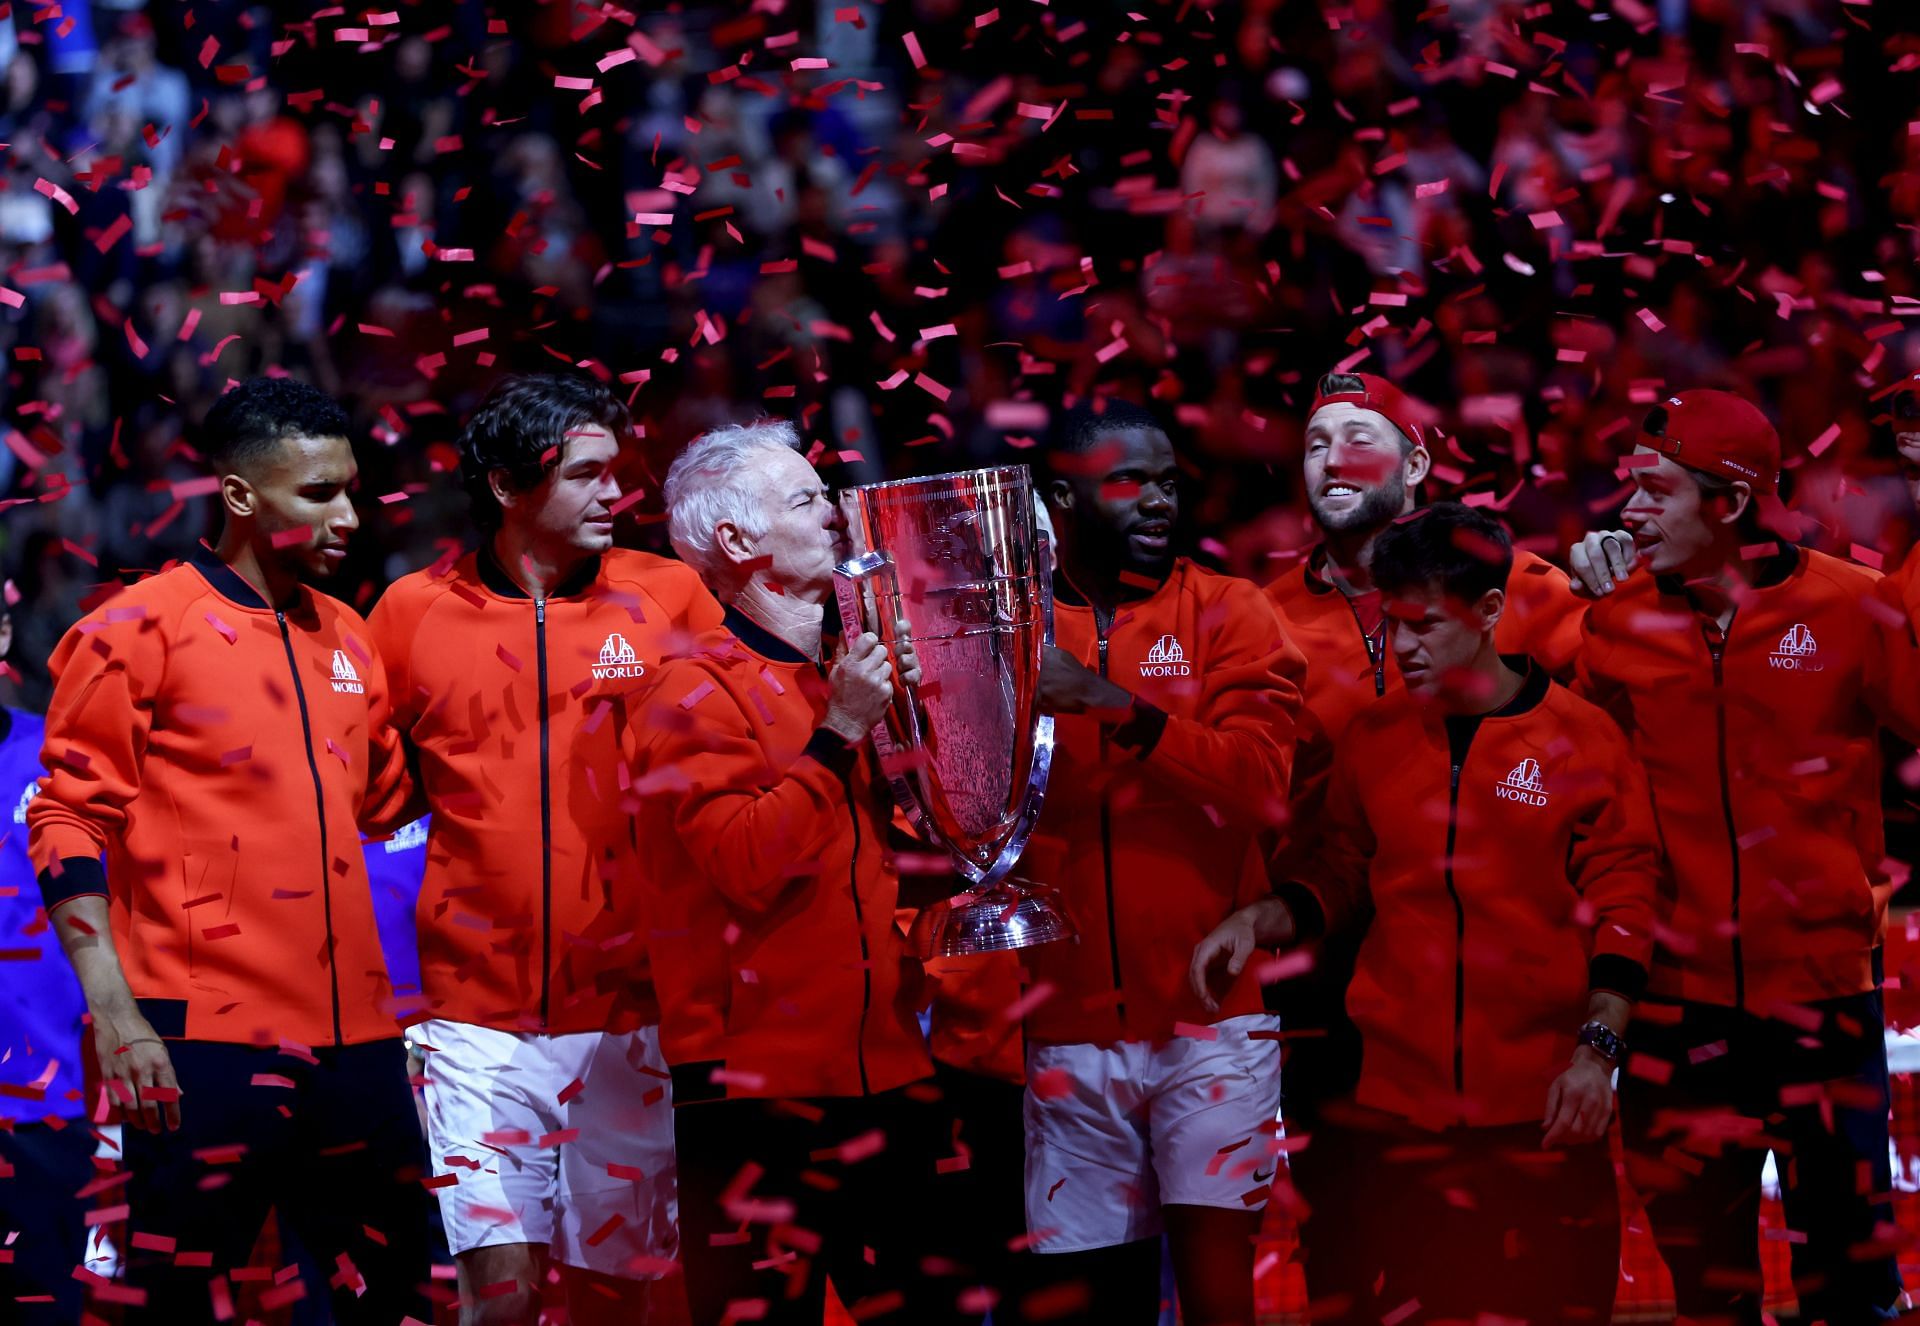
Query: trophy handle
x: 850, y: 579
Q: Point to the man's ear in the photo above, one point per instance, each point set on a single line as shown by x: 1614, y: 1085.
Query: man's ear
x: 1419, y: 464
x: 733, y: 543
x: 238, y: 496
x: 503, y: 491
x: 1491, y: 606
x: 1060, y: 494
x: 1738, y: 499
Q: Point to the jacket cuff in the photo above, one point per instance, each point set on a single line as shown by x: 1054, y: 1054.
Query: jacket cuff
x: 72, y: 877
x: 1617, y: 975
x: 831, y: 749
x: 1142, y: 729
x: 1309, y: 917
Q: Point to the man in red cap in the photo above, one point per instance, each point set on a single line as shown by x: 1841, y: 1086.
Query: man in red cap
x: 1752, y: 678
x: 1366, y: 457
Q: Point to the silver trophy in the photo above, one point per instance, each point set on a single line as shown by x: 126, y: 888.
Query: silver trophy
x: 961, y: 560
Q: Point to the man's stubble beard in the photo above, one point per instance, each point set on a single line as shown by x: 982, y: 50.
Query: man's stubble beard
x: 1379, y: 507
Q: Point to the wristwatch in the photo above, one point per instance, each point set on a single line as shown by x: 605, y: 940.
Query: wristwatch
x: 1604, y: 1040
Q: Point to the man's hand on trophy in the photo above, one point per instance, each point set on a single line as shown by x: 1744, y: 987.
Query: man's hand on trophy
x: 862, y: 682
x: 906, y: 657
x: 1068, y: 686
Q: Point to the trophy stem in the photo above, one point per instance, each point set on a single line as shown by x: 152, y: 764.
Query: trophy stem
x: 1002, y: 916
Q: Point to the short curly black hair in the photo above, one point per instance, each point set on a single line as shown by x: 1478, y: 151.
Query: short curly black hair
x: 1081, y: 428
x: 522, y: 428
x: 246, y: 425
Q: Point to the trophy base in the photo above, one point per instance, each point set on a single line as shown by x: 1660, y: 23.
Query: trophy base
x: 1006, y: 916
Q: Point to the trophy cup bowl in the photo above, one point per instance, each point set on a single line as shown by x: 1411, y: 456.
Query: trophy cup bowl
x: 962, y: 562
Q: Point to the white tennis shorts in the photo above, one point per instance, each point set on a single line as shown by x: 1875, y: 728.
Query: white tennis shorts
x: 1115, y: 1132
x: 561, y: 1141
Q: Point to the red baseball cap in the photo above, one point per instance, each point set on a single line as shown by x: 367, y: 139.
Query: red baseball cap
x: 1410, y: 416
x: 1716, y: 432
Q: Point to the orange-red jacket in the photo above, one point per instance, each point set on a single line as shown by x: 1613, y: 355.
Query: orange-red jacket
x: 1511, y: 865
x: 529, y: 913
x: 1150, y: 827
x: 768, y: 883
x: 974, y: 1003
x: 1346, y: 674
x: 1763, y: 755
x: 225, y: 755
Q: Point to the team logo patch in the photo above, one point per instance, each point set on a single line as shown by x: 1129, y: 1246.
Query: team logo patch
x: 1522, y: 784
x: 1166, y: 659
x: 26, y: 799
x: 345, y: 680
x: 406, y: 839
x: 617, y: 659
x: 1797, y: 651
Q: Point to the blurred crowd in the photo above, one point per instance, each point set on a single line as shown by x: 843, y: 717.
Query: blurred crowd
x: 921, y: 227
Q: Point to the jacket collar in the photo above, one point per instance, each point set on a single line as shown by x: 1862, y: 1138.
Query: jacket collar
x: 1133, y: 589
x: 1533, y: 687
x: 1460, y: 728
x: 495, y: 577
x: 228, y: 583
x: 760, y: 640
x: 1317, y: 583
x: 1776, y: 568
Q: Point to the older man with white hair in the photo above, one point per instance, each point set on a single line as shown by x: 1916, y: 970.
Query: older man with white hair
x: 788, y: 1000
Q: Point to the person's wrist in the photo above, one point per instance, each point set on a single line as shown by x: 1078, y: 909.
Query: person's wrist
x: 117, y: 1011
x: 844, y: 728
x: 1586, y: 1054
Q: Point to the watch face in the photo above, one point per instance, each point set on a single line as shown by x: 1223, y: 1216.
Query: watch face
x: 1603, y: 1039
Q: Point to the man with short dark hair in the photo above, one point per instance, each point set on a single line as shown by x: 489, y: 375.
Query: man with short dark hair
x: 1753, y: 678
x: 1175, y: 693
x: 1498, y: 831
x: 514, y: 671
x: 1367, y: 454
x: 220, y: 733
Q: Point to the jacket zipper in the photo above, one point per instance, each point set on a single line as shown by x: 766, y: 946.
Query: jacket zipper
x: 1717, y: 646
x: 1459, y: 939
x: 546, y: 818
x: 1101, y: 625
x: 860, y: 925
x: 320, y: 806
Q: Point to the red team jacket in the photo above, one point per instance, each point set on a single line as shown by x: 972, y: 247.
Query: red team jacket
x: 1150, y: 828
x: 1762, y: 753
x: 1508, y: 873
x: 769, y: 887
x: 521, y: 713
x: 224, y: 756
